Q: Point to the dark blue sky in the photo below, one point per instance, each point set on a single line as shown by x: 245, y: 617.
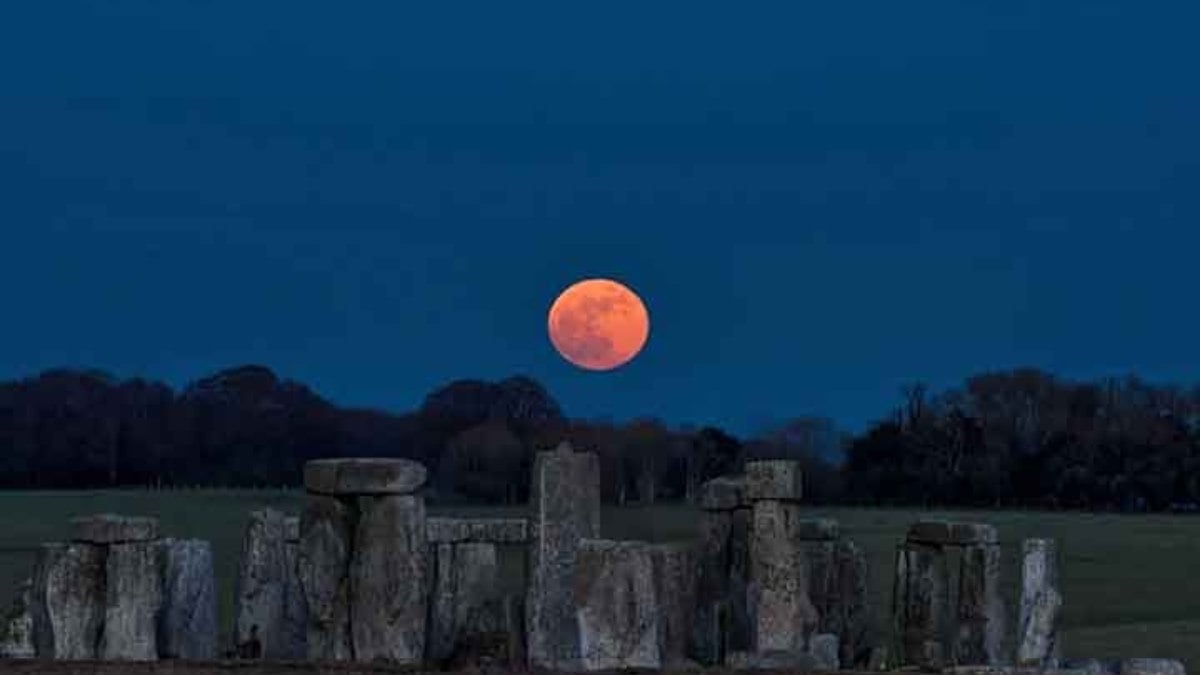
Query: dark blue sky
x: 818, y: 201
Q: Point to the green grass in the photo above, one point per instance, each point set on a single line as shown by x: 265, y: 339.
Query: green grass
x: 1128, y: 580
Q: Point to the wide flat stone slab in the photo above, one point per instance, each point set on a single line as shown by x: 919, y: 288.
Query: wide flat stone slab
x: 364, y: 476
x: 724, y: 493
x: 110, y: 528
x: 779, y: 479
x: 477, y: 530
x: 950, y: 533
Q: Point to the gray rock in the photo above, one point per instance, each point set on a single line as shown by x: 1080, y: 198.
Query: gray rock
x: 295, y: 610
x: 776, y: 479
x: 565, y: 499
x: 109, y: 528
x: 675, y: 587
x: 363, y: 476
x: 68, y: 601
x: 724, y: 493
x: 921, y: 606
x: 464, y: 598
x: 721, y: 623
x: 261, y: 587
x: 943, y: 532
x: 1041, y: 605
x: 618, y: 608
x: 479, y: 530
x: 326, y: 534
x: 825, y: 649
x: 16, y: 631
x: 133, y: 597
x: 782, y: 614
x: 851, y: 619
x: 1151, y: 667
x: 980, y: 618
x: 389, y: 580
x: 187, y: 624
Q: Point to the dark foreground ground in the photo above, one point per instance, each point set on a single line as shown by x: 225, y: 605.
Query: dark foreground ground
x: 31, y: 667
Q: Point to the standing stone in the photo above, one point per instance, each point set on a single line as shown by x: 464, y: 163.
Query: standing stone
x: 323, y: 563
x: 262, y: 584
x: 295, y: 611
x: 16, y: 632
x: 618, y: 607
x: 68, y: 601
x: 133, y: 597
x: 464, y: 602
x: 783, y: 614
x: 389, y: 586
x: 1041, y: 604
x: 565, y: 496
x: 980, y: 608
x: 187, y: 624
x: 721, y: 620
x: 853, y: 616
x: 675, y: 587
x: 922, y: 605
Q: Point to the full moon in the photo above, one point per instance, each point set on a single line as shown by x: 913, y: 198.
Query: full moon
x: 598, y: 324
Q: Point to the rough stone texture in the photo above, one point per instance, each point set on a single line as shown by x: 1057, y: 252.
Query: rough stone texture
x: 721, y: 623
x: 943, y: 532
x: 775, y: 479
x: 480, y: 530
x: 675, y: 588
x: 133, y: 597
x: 68, y: 601
x: 389, y: 580
x: 464, y: 607
x: 565, y: 499
x: 980, y: 616
x: 261, y: 595
x: 1041, y: 605
x: 322, y: 566
x: 782, y: 614
x: 363, y: 476
x: 724, y: 493
x: 295, y: 611
x: 921, y: 609
x: 851, y: 618
x: 619, y: 609
x: 109, y: 528
x: 291, y: 529
x: 187, y: 624
x: 16, y: 631
x: 1151, y: 667
x: 825, y: 649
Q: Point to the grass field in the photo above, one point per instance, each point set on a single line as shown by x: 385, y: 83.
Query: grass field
x: 1131, y: 583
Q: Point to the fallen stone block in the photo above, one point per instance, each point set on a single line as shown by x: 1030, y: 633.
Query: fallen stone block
x: 948, y: 533
x: 477, y: 530
x: 109, y: 528
x: 16, y: 629
x: 363, y: 476
x: 724, y: 493
x: 133, y: 597
x: 187, y: 624
x: 322, y: 566
x: 68, y: 601
x: 778, y: 479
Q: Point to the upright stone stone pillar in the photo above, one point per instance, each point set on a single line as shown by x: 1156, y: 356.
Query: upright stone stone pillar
x: 1041, y: 604
x: 721, y: 623
x: 187, y: 624
x: 16, y: 626
x: 261, y: 587
x: 295, y: 610
x: 133, y: 583
x: 565, y: 496
x: 362, y: 560
x: 68, y: 601
x: 980, y: 609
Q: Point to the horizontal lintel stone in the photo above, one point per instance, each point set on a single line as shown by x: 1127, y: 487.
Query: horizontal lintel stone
x: 110, y: 528
x: 477, y: 530
x: 363, y: 476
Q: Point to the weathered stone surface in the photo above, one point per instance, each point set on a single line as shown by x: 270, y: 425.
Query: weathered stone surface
x: 1151, y: 667
x: 825, y: 649
x: 721, y: 623
x: 565, y: 498
x: 782, y: 613
x: 850, y: 618
x: 980, y: 613
x: 943, y: 532
x: 363, y: 476
x: 480, y: 530
x: 133, y: 597
x: 778, y: 479
x: 322, y: 566
x: 724, y: 493
x: 675, y: 588
x: 295, y: 611
x: 261, y: 594
x: 68, y: 601
x: 1041, y: 605
x: 796, y: 660
x: 921, y: 606
x: 389, y: 580
x: 618, y: 607
x: 291, y: 529
x: 187, y: 624
x: 16, y: 631
x: 465, y: 600
x: 109, y: 528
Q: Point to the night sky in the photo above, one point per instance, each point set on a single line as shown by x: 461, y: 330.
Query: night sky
x: 819, y: 202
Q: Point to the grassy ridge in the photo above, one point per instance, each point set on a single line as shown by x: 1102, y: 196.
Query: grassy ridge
x: 1128, y: 579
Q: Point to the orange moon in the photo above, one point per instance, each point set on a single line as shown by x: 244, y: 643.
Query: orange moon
x: 598, y: 324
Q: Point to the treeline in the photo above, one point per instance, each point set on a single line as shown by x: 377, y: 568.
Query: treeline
x: 1021, y: 438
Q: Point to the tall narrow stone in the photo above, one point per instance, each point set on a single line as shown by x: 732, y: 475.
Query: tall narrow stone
x: 261, y: 585
x: 721, y: 623
x: 295, y: 609
x: 16, y: 626
x: 980, y: 636
x: 921, y: 607
x: 1041, y: 605
x: 133, y: 597
x: 853, y: 612
x: 675, y: 585
x: 783, y: 616
x: 389, y: 580
x: 68, y: 601
x: 619, y: 607
x: 565, y: 497
x: 465, y: 608
x: 322, y: 566
x: 187, y: 624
